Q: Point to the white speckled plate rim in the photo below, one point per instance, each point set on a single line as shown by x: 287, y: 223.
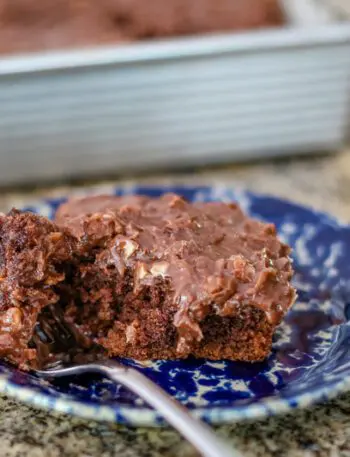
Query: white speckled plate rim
x: 147, y: 417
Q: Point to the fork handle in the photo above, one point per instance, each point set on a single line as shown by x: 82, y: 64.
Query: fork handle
x: 195, y: 431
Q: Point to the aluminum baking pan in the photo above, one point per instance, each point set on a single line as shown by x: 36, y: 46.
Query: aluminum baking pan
x: 178, y: 102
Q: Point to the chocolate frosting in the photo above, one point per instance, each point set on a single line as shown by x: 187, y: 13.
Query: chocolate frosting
x: 212, y: 257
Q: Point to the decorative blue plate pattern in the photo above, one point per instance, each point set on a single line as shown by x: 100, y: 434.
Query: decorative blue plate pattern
x: 310, y: 360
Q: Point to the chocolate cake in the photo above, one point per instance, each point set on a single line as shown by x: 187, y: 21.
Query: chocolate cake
x: 34, y: 255
x: 144, y: 278
x: 30, y: 25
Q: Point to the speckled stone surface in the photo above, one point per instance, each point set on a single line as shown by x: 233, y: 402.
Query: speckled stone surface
x: 322, y: 182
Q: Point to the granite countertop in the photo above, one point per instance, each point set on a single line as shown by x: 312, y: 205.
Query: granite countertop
x: 324, y: 430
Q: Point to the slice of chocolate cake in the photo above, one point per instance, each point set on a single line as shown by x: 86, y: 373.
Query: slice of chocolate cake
x: 150, y: 278
x: 174, y: 279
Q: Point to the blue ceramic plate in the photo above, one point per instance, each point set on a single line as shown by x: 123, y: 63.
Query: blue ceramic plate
x: 310, y: 360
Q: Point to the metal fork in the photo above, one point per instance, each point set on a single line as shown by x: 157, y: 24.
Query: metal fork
x: 201, y: 436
